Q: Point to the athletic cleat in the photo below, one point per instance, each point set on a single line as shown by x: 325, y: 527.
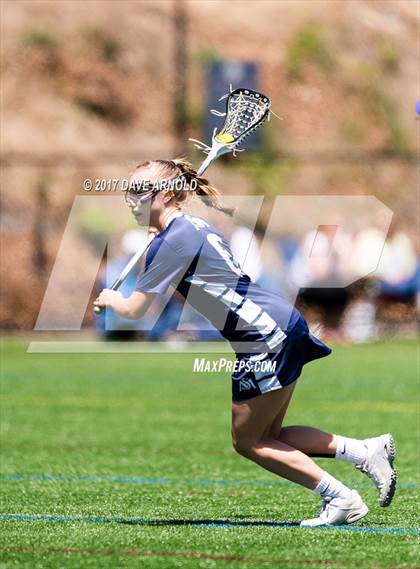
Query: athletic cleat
x: 339, y: 511
x: 378, y: 466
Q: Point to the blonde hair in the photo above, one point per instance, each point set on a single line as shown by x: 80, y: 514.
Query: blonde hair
x: 208, y: 194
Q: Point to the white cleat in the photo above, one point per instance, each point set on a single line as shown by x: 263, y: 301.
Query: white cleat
x: 378, y: 466
x: 339, y: 511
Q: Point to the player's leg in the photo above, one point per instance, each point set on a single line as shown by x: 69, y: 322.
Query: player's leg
x: 310, y: 440
x: 254, y: 424
x: 277, y: 423
x: 373, y: 457
x: 316, y: 443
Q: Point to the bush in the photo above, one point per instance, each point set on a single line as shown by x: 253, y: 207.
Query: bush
x: 308, y: 46
x: 108, y: 48
x: 352, y: 132
x: 41, y: 51
x: 384, y: 109
x: 389, y: 58
x: 208, y: 55
x: 40, y: 39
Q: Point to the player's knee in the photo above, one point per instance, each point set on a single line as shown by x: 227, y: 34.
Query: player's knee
x: 283, y: 434
x: 243, y: 445
x: 286, y: 435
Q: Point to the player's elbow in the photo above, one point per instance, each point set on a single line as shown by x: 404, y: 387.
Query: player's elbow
x: 137, y: 306
x: 134, y: 312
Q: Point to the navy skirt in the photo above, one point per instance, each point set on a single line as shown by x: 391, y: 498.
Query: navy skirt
x: 262, y: 373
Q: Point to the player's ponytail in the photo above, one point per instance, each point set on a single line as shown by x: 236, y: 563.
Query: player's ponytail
x: 208, y: 194
x: 195, y: 184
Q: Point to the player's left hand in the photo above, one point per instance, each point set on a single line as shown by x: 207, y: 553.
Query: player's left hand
x: 108, y: 297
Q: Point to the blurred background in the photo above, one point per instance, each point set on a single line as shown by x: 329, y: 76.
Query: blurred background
x: 90, y: 89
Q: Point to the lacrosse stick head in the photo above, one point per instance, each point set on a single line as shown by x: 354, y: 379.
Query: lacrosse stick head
x: 246, y: 110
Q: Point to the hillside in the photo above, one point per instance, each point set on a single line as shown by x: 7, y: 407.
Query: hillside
x: 88, y: 91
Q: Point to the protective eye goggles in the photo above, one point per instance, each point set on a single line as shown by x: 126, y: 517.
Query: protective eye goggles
x: 143, y: 191
x: 137, y: 198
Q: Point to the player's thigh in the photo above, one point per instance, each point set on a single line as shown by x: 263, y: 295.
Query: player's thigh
x: 252, y: 419
x: 277, y: 423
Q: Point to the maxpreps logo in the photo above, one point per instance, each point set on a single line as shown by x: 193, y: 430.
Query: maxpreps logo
x: 204, y: 365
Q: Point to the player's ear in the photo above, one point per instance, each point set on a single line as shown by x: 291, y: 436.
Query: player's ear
x: 167, y: 196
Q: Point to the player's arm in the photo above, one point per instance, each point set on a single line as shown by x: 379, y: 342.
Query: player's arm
x: 132, y: 308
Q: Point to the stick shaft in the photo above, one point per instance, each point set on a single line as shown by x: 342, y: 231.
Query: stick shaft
x: 126, y: 271
x: 204, y: 165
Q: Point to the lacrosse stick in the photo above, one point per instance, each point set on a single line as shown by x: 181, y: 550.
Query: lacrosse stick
x: 246, y: 110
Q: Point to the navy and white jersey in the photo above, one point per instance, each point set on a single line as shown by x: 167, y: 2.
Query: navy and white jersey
x: 194, y: 257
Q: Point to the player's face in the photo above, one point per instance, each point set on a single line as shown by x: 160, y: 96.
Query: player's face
x: 140, y: 206
x: 146, y: 206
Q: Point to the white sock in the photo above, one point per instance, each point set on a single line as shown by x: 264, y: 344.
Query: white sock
x: 330, y: 486
x: 351, y: 450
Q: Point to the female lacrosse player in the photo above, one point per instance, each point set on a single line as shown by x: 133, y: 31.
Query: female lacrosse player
x: 194, y: 257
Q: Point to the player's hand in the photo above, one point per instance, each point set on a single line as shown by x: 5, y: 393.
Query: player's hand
x: 109, y: 298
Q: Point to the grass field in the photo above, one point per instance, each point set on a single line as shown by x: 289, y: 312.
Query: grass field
x: 126, y: 461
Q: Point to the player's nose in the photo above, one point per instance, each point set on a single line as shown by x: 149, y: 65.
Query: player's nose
x: 132, y: 204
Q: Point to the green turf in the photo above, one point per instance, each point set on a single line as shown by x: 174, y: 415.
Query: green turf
x: 141, y: 416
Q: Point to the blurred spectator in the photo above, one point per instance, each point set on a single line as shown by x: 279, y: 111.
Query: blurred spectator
x: 359, y: 320
x: 398, y: 284
x: 320, y: 267
x: 322, y: 258
x: 398, y: 269
x: 368, y: 244
x: 392, y: 298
